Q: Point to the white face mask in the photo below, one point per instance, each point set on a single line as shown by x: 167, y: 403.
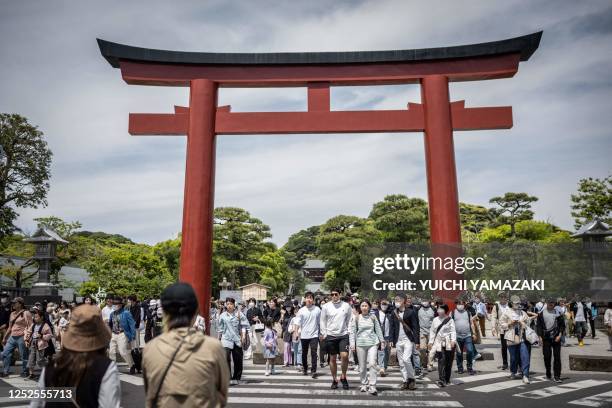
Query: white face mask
x: 398, y: 304
x: 383, y: 307
x: 115, y: 307
x: 251, y: 304
x: 460, y: 307
x: 425, y: 304
x: 159, y: 313
x: 441, y: 312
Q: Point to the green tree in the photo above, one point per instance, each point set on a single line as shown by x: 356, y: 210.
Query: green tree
x: 301, y: 246
x: 129, y: 269
x: 25, y: 161
x: 474, y: 218
x: 341, y: 240
x: 512, y: 208
x: 275, y: 272
x: 527, y: 230
x: 401, y: 219
x: 238, y: 244
x: 63, y: 228
x: 593, y: 200
x: 170, y: 252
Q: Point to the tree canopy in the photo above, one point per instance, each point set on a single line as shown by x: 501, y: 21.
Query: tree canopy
x: 512, y: 208
x: 401, y: 219
x: 25, y: 161
x: 592, y: 200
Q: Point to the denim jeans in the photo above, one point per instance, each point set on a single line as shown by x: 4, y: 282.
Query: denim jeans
x: 519, y: 351
x: 469, y: 348
x: 297, y: 352
x: 416, y: 358
x: 11, y: 344
x: 383, y: 355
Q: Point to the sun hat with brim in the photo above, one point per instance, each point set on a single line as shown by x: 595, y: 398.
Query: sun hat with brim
x: 86, y: 331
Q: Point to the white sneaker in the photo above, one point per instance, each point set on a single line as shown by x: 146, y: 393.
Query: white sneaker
x: 363, y: 388
x: 526, y: 380
x: 233, y: 382
x: 372, y: 390
x: 267, y: 373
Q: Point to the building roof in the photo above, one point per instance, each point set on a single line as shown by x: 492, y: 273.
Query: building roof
x: 524, y: 45
x: 46, y: 235
x: 314, y: 264
x: 593, y: 228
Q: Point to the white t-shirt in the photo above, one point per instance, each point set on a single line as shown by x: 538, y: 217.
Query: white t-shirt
x: 580, y: 313
x: 384, y: 322
x: 335, y: 318
x: 308, y: 320
x: 106, y: 312
x: 402, y: 333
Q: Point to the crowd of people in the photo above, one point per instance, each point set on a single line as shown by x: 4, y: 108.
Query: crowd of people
x: 76, y: 345
x: 349, y: 331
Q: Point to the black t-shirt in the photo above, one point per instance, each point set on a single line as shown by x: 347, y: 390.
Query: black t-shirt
x: 5, y: 315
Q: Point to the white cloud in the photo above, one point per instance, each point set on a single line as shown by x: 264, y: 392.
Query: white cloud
x: 52, y: 73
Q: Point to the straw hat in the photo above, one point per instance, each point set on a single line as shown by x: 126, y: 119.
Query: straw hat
x: 86, y: 331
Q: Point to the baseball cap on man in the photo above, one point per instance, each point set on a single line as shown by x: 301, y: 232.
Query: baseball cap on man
x: 179, y: 298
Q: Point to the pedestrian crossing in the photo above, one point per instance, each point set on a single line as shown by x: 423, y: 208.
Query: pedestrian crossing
x: 289, y: 388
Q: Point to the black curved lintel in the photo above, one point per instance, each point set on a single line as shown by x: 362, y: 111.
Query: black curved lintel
x: 525, y: 45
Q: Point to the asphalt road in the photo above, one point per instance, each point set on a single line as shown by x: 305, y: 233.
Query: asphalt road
x: 289, y: 388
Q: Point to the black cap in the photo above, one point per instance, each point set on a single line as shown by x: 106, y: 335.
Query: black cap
x: 179, y: 298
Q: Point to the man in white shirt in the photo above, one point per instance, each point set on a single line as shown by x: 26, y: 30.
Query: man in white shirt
x: 307, y: 320
x: 581, y: 315
x: 108, y: 309
x: 335, y: 318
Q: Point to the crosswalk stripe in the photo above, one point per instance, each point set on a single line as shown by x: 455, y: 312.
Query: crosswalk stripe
x: 326, y: 374
x: 6, y: 400
x: 480, y: 377
x: 423, y: 386
x: 504, y: 385
x: 305, y: 377
x: 19, y: 382
x: 599, y: 400
x: 336, y: 402
x: 132, y: 379
x: 561, y: 389
x: 310, y: 391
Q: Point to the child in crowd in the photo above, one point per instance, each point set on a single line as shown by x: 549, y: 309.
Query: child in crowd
x: 270, y: 339
x: 37, y: 339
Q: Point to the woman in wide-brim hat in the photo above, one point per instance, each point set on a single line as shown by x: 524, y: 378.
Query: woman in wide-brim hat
x: 83, y: 363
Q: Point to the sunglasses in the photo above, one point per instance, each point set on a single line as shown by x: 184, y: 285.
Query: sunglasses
x: 335, y: 294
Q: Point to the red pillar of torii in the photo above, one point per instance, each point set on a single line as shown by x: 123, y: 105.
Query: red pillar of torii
x: 204, y: 73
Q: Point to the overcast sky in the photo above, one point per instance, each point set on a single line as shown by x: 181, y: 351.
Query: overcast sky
x: 51, y: 71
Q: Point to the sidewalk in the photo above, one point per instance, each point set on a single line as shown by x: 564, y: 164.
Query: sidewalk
x: 592, y: 347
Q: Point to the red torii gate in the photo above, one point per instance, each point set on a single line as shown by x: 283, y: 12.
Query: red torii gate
x: 204, y: 73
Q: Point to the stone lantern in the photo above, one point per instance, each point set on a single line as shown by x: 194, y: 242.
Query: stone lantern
x: 45, y: 243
